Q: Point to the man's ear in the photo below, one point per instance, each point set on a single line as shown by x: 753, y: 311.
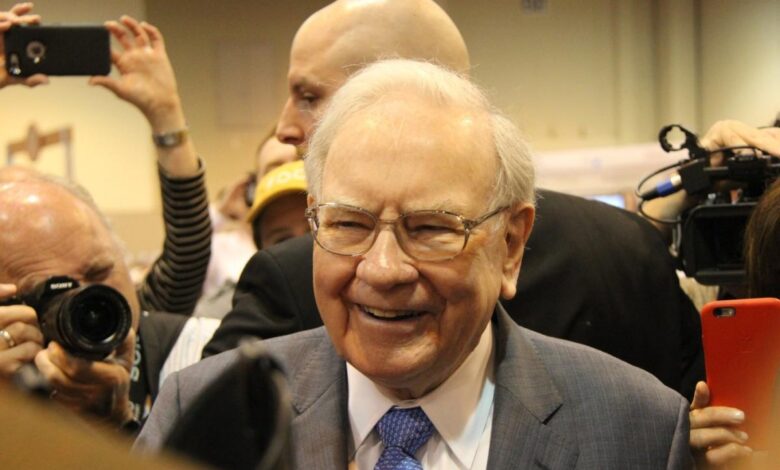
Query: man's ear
x: 309, y: 200
x: 519, y: 225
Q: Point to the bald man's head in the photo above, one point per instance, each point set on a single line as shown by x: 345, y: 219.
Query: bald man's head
x: 346, y: 35
x: 16, y: 173
x: 46, y: 230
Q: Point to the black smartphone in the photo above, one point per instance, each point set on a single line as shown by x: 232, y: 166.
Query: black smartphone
x: 57, y: 50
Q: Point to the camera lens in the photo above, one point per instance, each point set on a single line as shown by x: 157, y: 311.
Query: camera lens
x: 36, y: 51
x: 87, y: 321
x: 95, y: 319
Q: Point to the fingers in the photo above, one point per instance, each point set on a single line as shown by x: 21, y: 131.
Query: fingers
x: 155, y: 37
x: 706, y: 438
x: 120, y: 34
x: 35, y: 80
x: 18, y: 14
x: 12, y: 359
x: 729, y: 454
x: 21, y: 333
x: 100, y: 387
x: 106, y: 82
x: 141, y: 37
x: 713, y: 416
x: 7, y: 290
x: 730, y: 133
x: 21, y: 8
x: 17, y: 313
x: 84, y: 371
x: 20, y: 323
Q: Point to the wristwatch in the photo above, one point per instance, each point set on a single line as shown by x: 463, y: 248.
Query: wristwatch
x: 171, y: 139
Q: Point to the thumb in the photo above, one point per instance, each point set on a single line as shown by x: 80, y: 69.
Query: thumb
x: 7, y: 290
x: 106, y: 82
x: 124, y: 353
x: 701, y: 396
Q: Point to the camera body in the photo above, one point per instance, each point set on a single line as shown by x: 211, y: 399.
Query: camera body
x: 711, y: 234
x: 89, y: 321
x: 711, y: 242
x: 57, y: 50
x: 709, y: 237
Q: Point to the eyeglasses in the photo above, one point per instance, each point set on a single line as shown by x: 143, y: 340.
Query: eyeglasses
x: 428, y: 235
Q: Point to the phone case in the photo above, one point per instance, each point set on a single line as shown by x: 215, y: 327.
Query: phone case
x: 741, y: 341
x: 57, y: 50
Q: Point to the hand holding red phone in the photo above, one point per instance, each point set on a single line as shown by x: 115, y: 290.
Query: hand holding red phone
x: 715, y: 437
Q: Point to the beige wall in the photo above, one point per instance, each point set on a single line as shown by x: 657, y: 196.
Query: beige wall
x: 230, y: 108
x: 112, y: 151
x: 583, y: 73
x: 740, y: 60
x: 111, y: 147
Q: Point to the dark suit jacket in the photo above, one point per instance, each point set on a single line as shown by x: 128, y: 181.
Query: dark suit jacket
x: 592, y: 274
x: 557, y: 405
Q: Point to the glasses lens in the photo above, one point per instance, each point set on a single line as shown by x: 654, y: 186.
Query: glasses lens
x: 344, y: 230
x: 433, y: 235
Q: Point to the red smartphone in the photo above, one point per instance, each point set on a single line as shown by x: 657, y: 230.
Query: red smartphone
x: 741, y: 341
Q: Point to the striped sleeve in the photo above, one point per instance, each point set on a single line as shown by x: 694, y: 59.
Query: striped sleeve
x: 175, y: 281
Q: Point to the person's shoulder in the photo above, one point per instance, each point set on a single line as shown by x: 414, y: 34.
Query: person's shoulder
x: 622, y: 231
x: 569, y: 204
x: 206, y: 369
x: 294, y: 250
x: 620, y: 416
x: 298, y: 348
x: 582, y: 370
x: 289, y: 261
x: 284, y: 348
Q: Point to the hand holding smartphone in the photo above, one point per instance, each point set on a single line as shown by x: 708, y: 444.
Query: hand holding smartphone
x: 741, y: 340
x: 57, y: 50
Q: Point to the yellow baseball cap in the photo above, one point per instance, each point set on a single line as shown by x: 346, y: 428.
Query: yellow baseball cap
x: 282, y: 180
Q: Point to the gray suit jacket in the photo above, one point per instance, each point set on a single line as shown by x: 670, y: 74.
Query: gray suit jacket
x: 558, y: 405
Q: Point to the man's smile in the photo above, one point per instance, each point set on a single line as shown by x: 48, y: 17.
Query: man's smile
x: 392, y: 315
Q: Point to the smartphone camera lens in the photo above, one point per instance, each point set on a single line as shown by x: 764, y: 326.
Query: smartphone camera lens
x: 13, y: 65
x: 36, y: 51
x: 725, y: 312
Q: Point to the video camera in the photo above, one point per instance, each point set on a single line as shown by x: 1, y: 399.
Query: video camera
x: 89, y: 322
x: 708, y: 237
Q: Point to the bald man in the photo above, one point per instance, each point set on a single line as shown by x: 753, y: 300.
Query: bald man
x: 52, y: 228
x: 592, y: 273
x: 338, y: 40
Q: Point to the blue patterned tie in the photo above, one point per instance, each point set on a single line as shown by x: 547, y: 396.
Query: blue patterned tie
x: 403, y: 431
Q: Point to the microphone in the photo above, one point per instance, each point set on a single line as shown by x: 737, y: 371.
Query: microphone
x: 664, y: 188
x: 691, y: 177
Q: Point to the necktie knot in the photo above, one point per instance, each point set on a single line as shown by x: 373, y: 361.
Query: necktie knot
x: 404, y: 430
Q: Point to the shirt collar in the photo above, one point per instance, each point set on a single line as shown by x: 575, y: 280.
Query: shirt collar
x: 471, y: 387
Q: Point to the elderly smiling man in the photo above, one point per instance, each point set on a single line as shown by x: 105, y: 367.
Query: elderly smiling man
x: 421, y: 203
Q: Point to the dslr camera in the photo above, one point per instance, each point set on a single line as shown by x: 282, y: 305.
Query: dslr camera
x: 708, y: 237
x: 89, y: 321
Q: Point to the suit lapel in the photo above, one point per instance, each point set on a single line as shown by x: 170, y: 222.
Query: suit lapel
x: 320, y: 404
x: 526, y: 401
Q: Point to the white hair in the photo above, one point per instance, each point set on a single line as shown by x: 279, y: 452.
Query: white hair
x: 514, y: 181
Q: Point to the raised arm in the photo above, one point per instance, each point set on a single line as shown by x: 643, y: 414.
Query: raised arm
x: 146, y: 80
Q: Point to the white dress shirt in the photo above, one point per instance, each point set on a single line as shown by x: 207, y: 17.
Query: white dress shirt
x: 187, y: 350
x: 461, y: 410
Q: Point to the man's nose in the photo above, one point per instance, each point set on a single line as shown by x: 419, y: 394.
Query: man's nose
x: 386, y: 265
x: 291, y: 129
